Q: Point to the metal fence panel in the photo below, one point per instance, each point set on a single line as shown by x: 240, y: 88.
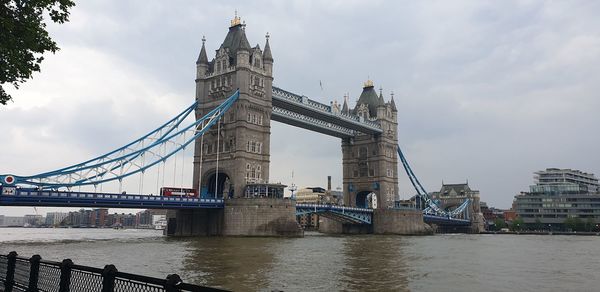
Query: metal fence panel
x: 49, y: 278
x: 126, y: 285
x: 83, y: 281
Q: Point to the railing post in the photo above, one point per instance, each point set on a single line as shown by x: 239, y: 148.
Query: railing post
x: 108, y: 278
x: 65, y: 275
x: 173, y: 281
x: 34, y: 271
x: 10, y: 271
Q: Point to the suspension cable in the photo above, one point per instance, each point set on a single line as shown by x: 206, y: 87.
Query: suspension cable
x: 125, y: 161
x: 175, y: 170
x: 182, y: 164
x: 164, y: 164
x: 201, y: 161
x: 142, y: 173
x: 217, y: 173
x: 157, y: 178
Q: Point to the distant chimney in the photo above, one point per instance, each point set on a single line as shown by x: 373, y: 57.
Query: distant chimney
x: 329, y: 182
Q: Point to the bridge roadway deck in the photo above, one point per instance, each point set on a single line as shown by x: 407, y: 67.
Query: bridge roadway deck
x: 441, y: 220
x: 46, y: 198
x: 339, y: 213
x: 11, y: 196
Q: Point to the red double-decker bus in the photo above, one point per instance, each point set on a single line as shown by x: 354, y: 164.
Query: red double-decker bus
x: 178, y: 192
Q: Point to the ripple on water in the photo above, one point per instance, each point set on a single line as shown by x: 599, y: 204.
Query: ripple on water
x: 331, y: 263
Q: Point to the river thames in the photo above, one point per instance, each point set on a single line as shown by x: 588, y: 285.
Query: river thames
x: 453, y: 262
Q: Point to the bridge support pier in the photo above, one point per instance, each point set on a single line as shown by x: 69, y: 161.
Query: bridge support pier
x: 240, y: 217
x: 401, y: 222
x: 327, y: 225
x: 198, y: 222
x: 261, y: 217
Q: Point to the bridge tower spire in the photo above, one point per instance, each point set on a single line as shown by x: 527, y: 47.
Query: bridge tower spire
x: 370, y: 163
x: 244, y: 136
x: 231, y: 160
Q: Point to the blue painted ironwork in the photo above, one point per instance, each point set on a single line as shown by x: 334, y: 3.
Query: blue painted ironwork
x: 304, y: 112
x: 135, y: 157
x: 299, y: 120
x: 15, y: 196
x: 432, y: 208
x: 442, y: 220
x: 341, y: 213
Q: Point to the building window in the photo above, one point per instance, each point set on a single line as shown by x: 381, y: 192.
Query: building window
x: 254, y: 147
x: 362, y: 152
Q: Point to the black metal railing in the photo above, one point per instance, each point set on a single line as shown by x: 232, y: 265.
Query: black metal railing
x: 34, y: 274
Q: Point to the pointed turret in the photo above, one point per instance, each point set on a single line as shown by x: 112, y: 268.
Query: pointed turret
x: 267, y: 57
x: 369, y: 98
x: 244, y: 43
x: 202, y: 62
x: 381, y: 101
x: 236, y: 42
x: 267, y: 52
x: 345, y: 106
x: 392, y: 103
x: 202, y: 58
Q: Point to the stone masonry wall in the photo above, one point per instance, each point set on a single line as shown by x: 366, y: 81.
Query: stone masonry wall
x: 403, y: 222
x: 260, y: 217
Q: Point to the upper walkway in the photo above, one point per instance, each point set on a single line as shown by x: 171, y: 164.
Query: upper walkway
x: 300, y: 111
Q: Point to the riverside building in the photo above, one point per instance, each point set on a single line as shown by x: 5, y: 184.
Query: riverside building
x: 559, y: 194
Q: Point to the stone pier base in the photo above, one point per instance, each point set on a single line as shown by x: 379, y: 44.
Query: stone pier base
x: 200, y: 222
x: 240, y: 217
x: 402, y: 222
x: 478, y: 223
x: 261, y: 217
x: 331, y: 226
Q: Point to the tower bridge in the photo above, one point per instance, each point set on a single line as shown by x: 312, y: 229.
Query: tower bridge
x: 234, y: 105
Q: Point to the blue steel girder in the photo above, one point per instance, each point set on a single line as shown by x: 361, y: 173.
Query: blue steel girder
x: 339, y: 213
x: 302, y: 105
x: 310, y: 123
x: 446, y: 221
x: 14, y: 196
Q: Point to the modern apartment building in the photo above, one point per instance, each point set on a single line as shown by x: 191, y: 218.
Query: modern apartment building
x: 557, y: 195
x: 546, y: 179
x: 55, y: 218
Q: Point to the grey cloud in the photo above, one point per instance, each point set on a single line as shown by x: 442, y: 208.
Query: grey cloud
x: 486, y: 91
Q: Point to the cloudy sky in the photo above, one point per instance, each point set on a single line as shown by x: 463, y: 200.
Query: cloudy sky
x: 486, y: 91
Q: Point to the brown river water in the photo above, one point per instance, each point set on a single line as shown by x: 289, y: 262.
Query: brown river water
x: 451, y: 262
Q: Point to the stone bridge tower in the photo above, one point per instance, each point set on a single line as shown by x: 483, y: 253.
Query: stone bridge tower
x: 242, y: 144
x: 370, y: 163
